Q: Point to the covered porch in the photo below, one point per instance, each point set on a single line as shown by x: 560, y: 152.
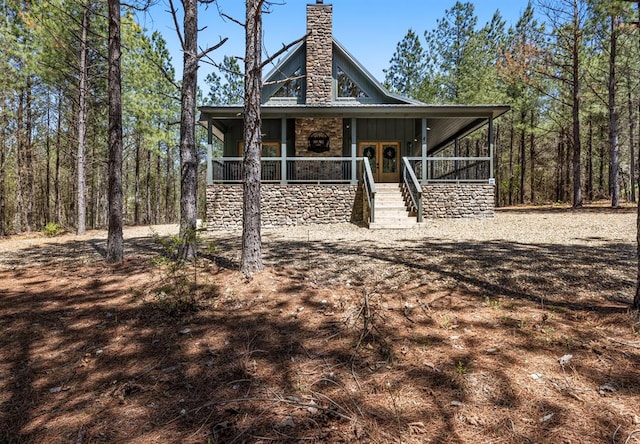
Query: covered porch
x: 415, y: 146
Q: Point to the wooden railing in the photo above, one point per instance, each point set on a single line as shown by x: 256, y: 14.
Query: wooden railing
x: 453, y: 169
x: 414, y: 188
x: 298, y: 170
x: 369, y: 188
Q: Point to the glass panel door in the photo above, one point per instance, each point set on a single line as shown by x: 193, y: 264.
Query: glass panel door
x: 389, y: 153
x: 370, y: 151
x: 384, y: 158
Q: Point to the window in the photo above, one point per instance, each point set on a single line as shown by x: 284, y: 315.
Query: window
x: 292, y: 86
x: 347, y: 87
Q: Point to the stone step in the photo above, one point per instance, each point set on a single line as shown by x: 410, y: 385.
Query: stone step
x: 390, y: 204
x: 390, y: 209
x: 395, y: 226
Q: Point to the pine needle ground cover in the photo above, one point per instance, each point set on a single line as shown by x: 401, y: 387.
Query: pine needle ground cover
x: 509, y: 330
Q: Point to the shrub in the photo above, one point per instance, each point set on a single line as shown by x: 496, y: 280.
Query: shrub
x: 52, y: 229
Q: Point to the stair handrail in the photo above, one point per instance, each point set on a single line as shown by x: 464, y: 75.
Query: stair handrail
x: 413, y: 185
x: 370, y: 189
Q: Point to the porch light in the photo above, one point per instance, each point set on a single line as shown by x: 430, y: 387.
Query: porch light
x: 318, y: 142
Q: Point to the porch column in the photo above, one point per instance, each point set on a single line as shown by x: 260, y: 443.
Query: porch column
x: 456, y: 153
x: 283, y: 150
x: 423, y: 179
x: 492, y: 179
x: 209, y: 152
x: 354, y: 152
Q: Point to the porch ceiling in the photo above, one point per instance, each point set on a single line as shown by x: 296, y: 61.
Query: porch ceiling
x: 445, y: 122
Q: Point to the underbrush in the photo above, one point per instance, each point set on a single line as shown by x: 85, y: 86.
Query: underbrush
x: 186, y: 286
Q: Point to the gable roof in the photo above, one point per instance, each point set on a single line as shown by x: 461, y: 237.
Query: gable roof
x: 292, y: 66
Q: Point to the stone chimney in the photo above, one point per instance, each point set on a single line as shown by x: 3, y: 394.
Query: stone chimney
x: 319, y: 63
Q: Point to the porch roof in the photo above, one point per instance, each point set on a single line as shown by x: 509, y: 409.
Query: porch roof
x: 446, y: 122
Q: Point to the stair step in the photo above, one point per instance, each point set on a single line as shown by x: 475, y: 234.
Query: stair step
x: 394, y: 226
x: 390, y: 209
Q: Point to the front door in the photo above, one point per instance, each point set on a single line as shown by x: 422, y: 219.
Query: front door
x: 384, y: 159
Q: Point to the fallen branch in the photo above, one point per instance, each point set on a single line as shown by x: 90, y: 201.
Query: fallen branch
x: 626, y: 344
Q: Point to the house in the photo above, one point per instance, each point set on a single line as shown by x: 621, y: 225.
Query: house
x: 338, y: 147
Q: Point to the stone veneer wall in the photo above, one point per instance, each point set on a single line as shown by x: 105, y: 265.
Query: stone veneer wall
x: 331, y: 126
x: 458, y: 200
x: 285, y: 205
x: 319, y: 62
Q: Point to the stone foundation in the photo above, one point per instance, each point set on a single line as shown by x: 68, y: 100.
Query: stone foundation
x: 458, y: 200
x: 285, y: 205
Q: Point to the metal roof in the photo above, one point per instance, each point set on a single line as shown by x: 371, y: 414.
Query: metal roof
x: 446, y: 122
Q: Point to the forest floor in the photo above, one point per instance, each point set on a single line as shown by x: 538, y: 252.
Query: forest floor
x: 514, y: 329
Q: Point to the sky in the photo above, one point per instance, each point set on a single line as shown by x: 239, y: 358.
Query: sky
x: 369, y: 29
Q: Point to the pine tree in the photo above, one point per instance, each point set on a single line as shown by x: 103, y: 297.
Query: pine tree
x: 407, y: 71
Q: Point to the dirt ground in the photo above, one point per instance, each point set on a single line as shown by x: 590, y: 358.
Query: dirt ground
x: 514, y: 329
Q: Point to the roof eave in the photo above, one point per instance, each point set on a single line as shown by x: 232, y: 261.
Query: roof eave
x: 374, y: 111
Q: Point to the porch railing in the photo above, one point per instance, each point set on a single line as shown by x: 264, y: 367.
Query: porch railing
x: 453, y: 169
x: 370, y: 189
x: 299, y: 170
x: 410, y: 180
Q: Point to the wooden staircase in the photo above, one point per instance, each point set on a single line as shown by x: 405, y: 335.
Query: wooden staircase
x: 390, y: 209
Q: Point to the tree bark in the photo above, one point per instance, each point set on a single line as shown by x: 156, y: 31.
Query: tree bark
x: 532, y: 156
x: 613, y: 118
x: 156, y: 189
x: 511, y: 145
x: 82, y: 124
x: 632, y: 141
x: 188, y: 154
x: 559, y: 170
x: 575, y: 108
x: 57, y: 211
x: 590, y: 160
x: 136, y: 180
x: 20, y: 213
x: 47, y: 198
x: 3, y: 171
x: 523, y: 155
x: 148, y: 189
x: 251, y: 259
x: 115, y: 245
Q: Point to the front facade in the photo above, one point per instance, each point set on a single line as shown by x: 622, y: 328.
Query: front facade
x: 332, y: 135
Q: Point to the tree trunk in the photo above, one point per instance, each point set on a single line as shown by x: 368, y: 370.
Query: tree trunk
x: 188, y: 153
x: 632, y: 142
x: 20, y: 213
x: 47, y: 198
x: 29, y: 164
x: 56, y: 179
x: 636, y: 299
x: 590, y: 160
x: 575, y: 109
x: 156, y: 189
x: 251, y: 260
x: 613, y: 119
x: 602, y: 162
x: 82, y: 124
x: 168, y: 214
x: 559, y: 162
x: 148, y: 189
x: 136, y: 180
x: 532, y: 156
x: 498, y: 164
x: 3, y: 173
x: 523, y: 158
x: 511, y: 146
x: 115, y: 245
